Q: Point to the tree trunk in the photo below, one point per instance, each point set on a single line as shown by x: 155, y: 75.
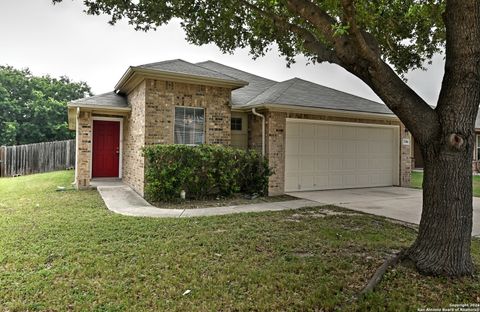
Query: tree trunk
x: 443, y: 243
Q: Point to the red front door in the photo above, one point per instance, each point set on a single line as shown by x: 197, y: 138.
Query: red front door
x: 106, y: 148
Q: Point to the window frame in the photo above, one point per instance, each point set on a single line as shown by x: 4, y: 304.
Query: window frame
x: 241, y: 123
x: 203, y: 128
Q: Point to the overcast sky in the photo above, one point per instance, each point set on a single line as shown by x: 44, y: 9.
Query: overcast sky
x: 62, y: 40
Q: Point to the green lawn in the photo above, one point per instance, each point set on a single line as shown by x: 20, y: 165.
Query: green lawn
x: 417, y: 179
x: 65, y: 251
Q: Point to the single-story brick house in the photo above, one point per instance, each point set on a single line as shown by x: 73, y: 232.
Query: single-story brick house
x: 314, y: 137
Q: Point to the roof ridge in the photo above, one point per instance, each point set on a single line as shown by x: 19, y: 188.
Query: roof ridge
x: 272, y: 86
x: 213, y: 70
x: 189, y: 63
x: 163, y: 62
x: 234, y: 69
x: 285, y: 90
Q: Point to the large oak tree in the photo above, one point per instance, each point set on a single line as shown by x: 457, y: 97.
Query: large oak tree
x: 377, y: 41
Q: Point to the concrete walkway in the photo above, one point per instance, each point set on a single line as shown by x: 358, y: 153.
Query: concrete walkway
x: 122, y: 199
x: 404, y: 204
x: 398, y: 203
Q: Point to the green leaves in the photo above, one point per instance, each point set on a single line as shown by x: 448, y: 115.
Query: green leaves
x: 34, y: 109
x: 203, y: 171
x: 408, y: 32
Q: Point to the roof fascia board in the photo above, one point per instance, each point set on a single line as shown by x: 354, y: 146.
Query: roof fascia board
x: 72, y: 113
x: 100, y: 107
x: 314, y: 110
x: 135, y: 75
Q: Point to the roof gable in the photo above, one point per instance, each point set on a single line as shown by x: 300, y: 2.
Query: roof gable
x: 179, y: 66
x: 175, y: 70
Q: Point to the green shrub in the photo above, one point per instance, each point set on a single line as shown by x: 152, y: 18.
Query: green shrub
x: 203, y: 171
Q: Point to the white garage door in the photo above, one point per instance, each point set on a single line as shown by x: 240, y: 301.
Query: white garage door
x: 322, y: 155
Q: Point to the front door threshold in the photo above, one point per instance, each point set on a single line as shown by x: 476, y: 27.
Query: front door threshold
x: 96, y: 182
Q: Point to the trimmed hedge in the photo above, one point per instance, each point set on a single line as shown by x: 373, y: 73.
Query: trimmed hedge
x: 203, y: 171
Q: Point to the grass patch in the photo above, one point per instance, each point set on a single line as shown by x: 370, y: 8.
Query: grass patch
x: 417, y: 180
x: 66, y: 251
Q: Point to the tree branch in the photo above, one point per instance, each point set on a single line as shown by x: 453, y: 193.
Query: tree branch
x: 310, y: 41
x: 315, y: 16
x: 359, y: 54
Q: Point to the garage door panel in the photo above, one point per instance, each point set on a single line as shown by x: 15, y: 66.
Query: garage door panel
x: 321, y: 131
x: 362, y: 133
x: 321, y: 147
x: 321, y: 181
x: 307, y: 146
x: 335, y: 164
x: 349, y: 180
x: 307, y: 164
x: 349, y: 133
x: 334, y: 181
x: 291, y: 182
x: 349, y: 147
x: 307, y: 130
x: 363, y: 163
x: 293, y: 129
x: 335, y: 132
x: 362, y: 148
x: 307, y: 182
x: 329, y: 156
x: 335, y: 147
x: 293, y: 164
x: 349, y: 164
x: 292, y: 146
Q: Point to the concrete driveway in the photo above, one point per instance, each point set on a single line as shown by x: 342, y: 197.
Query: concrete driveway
x: 398, y: 203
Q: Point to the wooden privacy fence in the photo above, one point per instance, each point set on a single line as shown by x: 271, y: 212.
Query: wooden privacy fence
x: 36, y: 158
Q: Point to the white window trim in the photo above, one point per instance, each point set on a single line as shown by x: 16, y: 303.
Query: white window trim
x: 120, y: 159
x: 204, y: 123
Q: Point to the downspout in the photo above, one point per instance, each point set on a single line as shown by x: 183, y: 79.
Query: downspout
x: 263, y: 129
x: 76, y: 145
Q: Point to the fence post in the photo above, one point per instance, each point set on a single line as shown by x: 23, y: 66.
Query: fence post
x: 3, y: 159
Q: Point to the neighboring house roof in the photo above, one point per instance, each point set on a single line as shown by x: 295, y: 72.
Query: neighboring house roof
x: 242, y: 96
x: 109, y: 99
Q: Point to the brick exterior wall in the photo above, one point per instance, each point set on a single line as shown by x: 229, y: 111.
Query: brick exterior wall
x: 275, y: 127
x: 152, y: 120
x: 134, y: 140
x: 161, y: 99
x: 275, y: 143
x: 84, y: 150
